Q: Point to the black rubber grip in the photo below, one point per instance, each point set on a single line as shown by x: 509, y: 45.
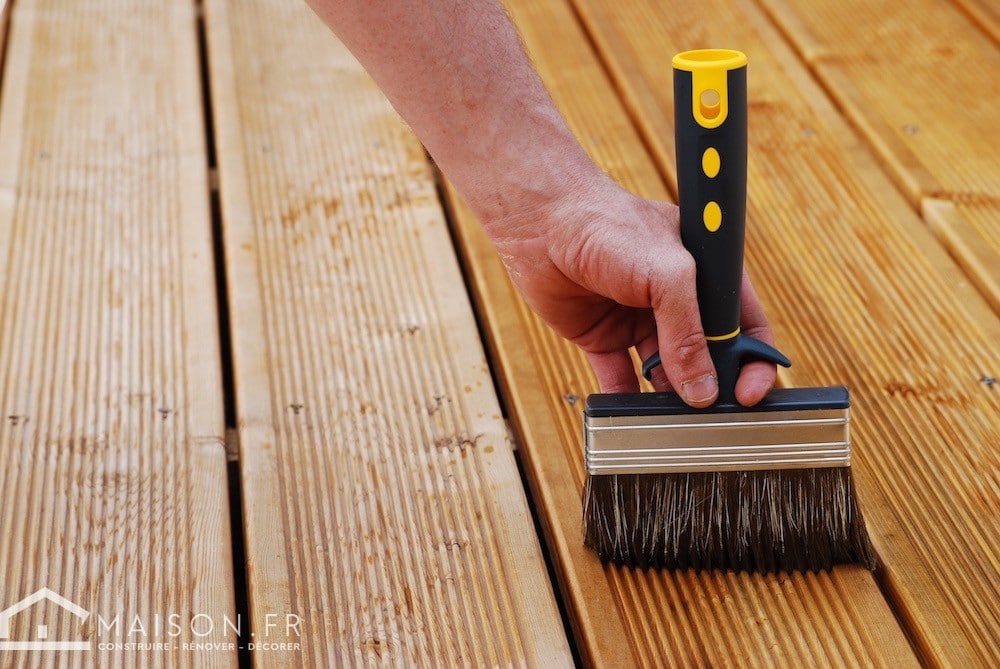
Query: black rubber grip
x: 718, y: 253
x: 711, y: 140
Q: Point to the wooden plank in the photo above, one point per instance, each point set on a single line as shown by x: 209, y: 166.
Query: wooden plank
x: 972, y: 234
x: 113, y: 483
x: 860, y: 293
x: 925, y: 98
x: 986, y: 13
x: 623, y: 617
x: 4, y: 26
x: 383, y: 504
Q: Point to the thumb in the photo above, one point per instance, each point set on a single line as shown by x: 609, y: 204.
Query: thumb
x: 681, y: 338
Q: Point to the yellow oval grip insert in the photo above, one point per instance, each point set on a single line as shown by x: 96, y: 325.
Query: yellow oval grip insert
x: 711, y: 162
x: 712, y: 216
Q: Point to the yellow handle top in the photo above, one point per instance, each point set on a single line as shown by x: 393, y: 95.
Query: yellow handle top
x: 709, y: 90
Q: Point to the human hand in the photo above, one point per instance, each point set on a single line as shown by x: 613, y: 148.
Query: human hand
x: 603, y: 267
x: 606, y: 269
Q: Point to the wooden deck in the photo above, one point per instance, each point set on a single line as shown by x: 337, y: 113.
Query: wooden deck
x: 270, y: 398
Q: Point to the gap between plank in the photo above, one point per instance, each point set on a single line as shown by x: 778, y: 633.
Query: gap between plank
x: 8, y: 10
x: 236, y: 521
x: 221, y: 286
x: 243, y: 655
x: 547, y: 555
x: 489, y: 349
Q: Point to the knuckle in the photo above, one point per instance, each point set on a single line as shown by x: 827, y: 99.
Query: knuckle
x: 679, y: 268
x: 671, y: 283
x: 688, y: 349
x: 684, y: 269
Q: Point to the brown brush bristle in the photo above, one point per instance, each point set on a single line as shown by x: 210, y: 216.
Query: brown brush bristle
x: 755, y: 521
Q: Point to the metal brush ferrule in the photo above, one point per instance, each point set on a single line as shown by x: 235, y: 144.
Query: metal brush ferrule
x: 791, y: 431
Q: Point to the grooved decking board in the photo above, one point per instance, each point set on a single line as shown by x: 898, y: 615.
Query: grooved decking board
x: 625, y: 618
x: 972, y: 232
x: 4, y: 23
x: 112, y: 468
x: 922, y: 83
x: 383, y: 505
x: 859, y: 293
x: 986, y: 14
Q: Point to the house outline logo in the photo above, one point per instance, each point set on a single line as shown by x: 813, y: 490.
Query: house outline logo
x: 41, y: 631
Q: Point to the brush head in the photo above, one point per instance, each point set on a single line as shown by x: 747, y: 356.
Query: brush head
x: 762, y: 490
x: 756, y: 521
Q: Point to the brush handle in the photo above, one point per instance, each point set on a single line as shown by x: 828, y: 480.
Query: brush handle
x: 710, y: 109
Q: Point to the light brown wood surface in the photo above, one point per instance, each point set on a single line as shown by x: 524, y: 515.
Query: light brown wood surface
x: 4, y: 24
x: 385, y: 518
x: 985, y: 13
x: 859, y: 293
x: 972, y: 234
x: 112, y: 469
x: 921, y: 82
x: 622, y: 617
x: 382, y: 500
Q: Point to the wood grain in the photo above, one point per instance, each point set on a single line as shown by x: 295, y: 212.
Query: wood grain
x: 972, y: 233
x: 4, y: 25
x: 859, y: 293
x: 925, y: 99
x: 621, y: 617
x: 985, y: 13
x: 383, y: 504
x: 112, y: 469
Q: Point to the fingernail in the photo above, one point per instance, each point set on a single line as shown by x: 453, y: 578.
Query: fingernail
x: 702, y: 389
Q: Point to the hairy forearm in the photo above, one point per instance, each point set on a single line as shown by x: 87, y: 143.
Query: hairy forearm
x: 456, y: 72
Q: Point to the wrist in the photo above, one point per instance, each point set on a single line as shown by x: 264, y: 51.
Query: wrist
x: 528, y: 213
x: 523, y: 185
x: 513, y: 160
